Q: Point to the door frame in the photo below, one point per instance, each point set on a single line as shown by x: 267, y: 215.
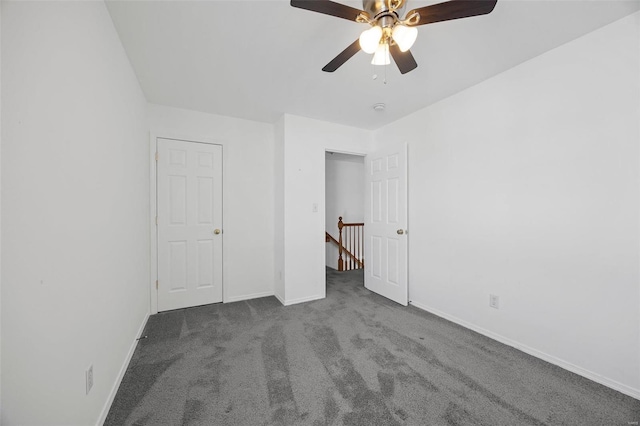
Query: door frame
x: 153, y: 209
x: 324, y: 205
x: 324, y: 194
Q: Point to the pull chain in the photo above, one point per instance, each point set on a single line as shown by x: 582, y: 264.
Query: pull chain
x: 385, y: 73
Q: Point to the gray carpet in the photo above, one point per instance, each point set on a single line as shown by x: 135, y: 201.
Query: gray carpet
x: 353, y: 358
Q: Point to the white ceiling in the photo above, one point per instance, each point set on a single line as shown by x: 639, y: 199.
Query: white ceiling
x: 259, y: 59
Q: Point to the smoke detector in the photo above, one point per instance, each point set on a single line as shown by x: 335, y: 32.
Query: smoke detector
x: 379, y: 107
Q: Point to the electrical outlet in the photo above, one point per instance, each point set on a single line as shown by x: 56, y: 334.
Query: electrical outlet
x: 89, y: 378
x: 494, y: 301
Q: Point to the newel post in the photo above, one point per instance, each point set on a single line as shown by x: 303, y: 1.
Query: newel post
x: 340, y: 261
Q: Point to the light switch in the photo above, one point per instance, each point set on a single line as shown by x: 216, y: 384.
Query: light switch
x: 314, y: 208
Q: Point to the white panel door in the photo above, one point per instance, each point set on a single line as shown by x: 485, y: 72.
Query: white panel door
x: 385, y: 217
x: 189, y: 224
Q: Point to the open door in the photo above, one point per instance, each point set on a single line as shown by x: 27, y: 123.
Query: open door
x: 385, y: 218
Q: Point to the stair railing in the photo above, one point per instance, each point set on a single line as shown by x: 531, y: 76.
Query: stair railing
x: 350, y: 243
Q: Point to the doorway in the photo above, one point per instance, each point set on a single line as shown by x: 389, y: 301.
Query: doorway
x: 344, y: 216
x: 377, y: 185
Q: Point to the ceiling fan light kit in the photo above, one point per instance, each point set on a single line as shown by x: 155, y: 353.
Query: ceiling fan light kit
x: 381, y: 55
x: 404, y: 36
x: 370, y: 39
x: 389, y: 36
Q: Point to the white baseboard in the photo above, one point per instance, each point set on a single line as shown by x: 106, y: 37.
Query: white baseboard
x: 248, y: 296
x: 123, y: 369
x: 301, y: 300
x: 620, y: 387
x: 280, y: 299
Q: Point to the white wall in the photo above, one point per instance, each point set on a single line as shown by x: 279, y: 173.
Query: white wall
x: 527, y: 187
x: 74, y: 211
x: 344, y: 196
x: 248, y: 193
x: 305, y: 143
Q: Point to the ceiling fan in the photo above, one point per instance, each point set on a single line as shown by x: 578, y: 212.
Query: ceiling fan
x: 388, y: 34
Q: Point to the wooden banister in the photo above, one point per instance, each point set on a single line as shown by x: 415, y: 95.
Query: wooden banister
x: 352, y: 244
x: 329, y: 239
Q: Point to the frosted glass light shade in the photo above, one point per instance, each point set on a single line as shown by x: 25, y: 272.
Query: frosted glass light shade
x: 369, y: 39
x: 381, y: 57
x: 404, y: 36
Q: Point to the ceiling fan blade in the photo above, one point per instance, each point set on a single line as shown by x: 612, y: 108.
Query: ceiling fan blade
x: 404, y: 60
x: 454, y: 9
x: 343, y: 57
x: 328, y: 8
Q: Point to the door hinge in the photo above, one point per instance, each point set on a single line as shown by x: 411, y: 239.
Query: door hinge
x: 156, y: 284
x: 157, y: 156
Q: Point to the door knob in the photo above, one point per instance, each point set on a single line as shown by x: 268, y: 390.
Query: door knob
x: 400, y: 231
x: 216, y: 231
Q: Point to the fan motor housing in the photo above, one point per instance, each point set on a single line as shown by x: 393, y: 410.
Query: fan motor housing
x: 380, y: 8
